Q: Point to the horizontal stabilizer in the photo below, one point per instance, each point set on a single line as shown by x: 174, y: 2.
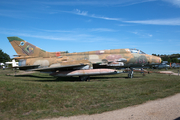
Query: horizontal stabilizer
x: 23, y: 57
x: 18, y: 55
x: 27, y: 67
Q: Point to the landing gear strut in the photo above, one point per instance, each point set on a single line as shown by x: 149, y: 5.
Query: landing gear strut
x: 130, y: 74
x: 84, y: 78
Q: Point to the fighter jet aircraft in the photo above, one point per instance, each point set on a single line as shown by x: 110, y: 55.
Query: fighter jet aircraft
x: 82, y: 64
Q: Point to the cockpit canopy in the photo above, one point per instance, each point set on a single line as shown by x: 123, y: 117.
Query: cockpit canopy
x: 136, y: 51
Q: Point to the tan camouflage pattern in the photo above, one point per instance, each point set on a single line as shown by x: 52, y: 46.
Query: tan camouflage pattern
x: 33, y: 55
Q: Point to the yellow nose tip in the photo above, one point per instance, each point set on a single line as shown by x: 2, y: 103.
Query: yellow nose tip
x: 159, y: 60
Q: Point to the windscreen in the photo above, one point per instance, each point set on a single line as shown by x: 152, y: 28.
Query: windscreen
x: 136, y: 51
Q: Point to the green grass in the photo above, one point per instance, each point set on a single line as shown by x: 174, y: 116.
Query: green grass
x: 163, y: 69
x: 38, y: 96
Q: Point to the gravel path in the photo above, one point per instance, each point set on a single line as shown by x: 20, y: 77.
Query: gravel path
x: 168, y: 72
x: 162, y: 109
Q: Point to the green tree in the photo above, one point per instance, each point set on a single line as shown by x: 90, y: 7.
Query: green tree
x: 4, y: 57
x: 175, y: 60
x: 169, y: 60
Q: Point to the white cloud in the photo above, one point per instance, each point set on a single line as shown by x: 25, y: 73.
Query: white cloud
x: 142, y: 34
x: 48, y: 37
x: 105, y: 18
x: 174, y: 2
x: 150, y: 35
x: 175, y: 21
x: 85, y: 13
x: 159, y: 40
x: 79, y: 12
x: 123, y: 25
x: 18, y: 14
x: 11, y: 13
x: 95, y: 2
x: 78, y: 35
x: 135, y: 33
x: 54, y: 31
x: 102, y: 30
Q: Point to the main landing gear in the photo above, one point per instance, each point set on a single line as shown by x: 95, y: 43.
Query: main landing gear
x: 130, y: 73
x: 84, y: 78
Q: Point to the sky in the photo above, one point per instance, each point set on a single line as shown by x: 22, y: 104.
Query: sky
x: 152, y: 26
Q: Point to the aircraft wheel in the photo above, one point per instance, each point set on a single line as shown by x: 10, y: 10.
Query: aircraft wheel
x: 130, y: 75
x: 84, y: 78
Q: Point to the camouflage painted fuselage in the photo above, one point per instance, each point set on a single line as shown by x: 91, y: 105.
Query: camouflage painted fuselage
x: 32, y: 55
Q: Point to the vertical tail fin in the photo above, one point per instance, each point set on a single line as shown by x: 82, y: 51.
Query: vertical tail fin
x: 24, y: 48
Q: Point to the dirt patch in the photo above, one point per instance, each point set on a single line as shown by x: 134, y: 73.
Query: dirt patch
x: 162, y: 109
x: 168, y: 72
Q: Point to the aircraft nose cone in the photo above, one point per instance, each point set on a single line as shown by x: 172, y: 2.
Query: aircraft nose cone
x: 159, y: 60
x: 156, y: 59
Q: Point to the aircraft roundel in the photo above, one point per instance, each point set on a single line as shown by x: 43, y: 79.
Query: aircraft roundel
x: 58, y: 54
x: 22, y: 43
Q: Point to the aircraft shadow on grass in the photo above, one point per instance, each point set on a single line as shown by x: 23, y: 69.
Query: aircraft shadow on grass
x: 71, y: 79
x: 35, y: 76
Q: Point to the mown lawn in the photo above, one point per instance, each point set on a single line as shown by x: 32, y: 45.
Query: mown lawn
x: 38, y: 96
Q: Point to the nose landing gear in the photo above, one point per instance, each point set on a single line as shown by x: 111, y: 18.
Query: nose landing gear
x: 131, y: 72
x: 84, y: 78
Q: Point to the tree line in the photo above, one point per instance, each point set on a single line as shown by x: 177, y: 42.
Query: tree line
x: 4, y: 57
x: 173, y: 58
